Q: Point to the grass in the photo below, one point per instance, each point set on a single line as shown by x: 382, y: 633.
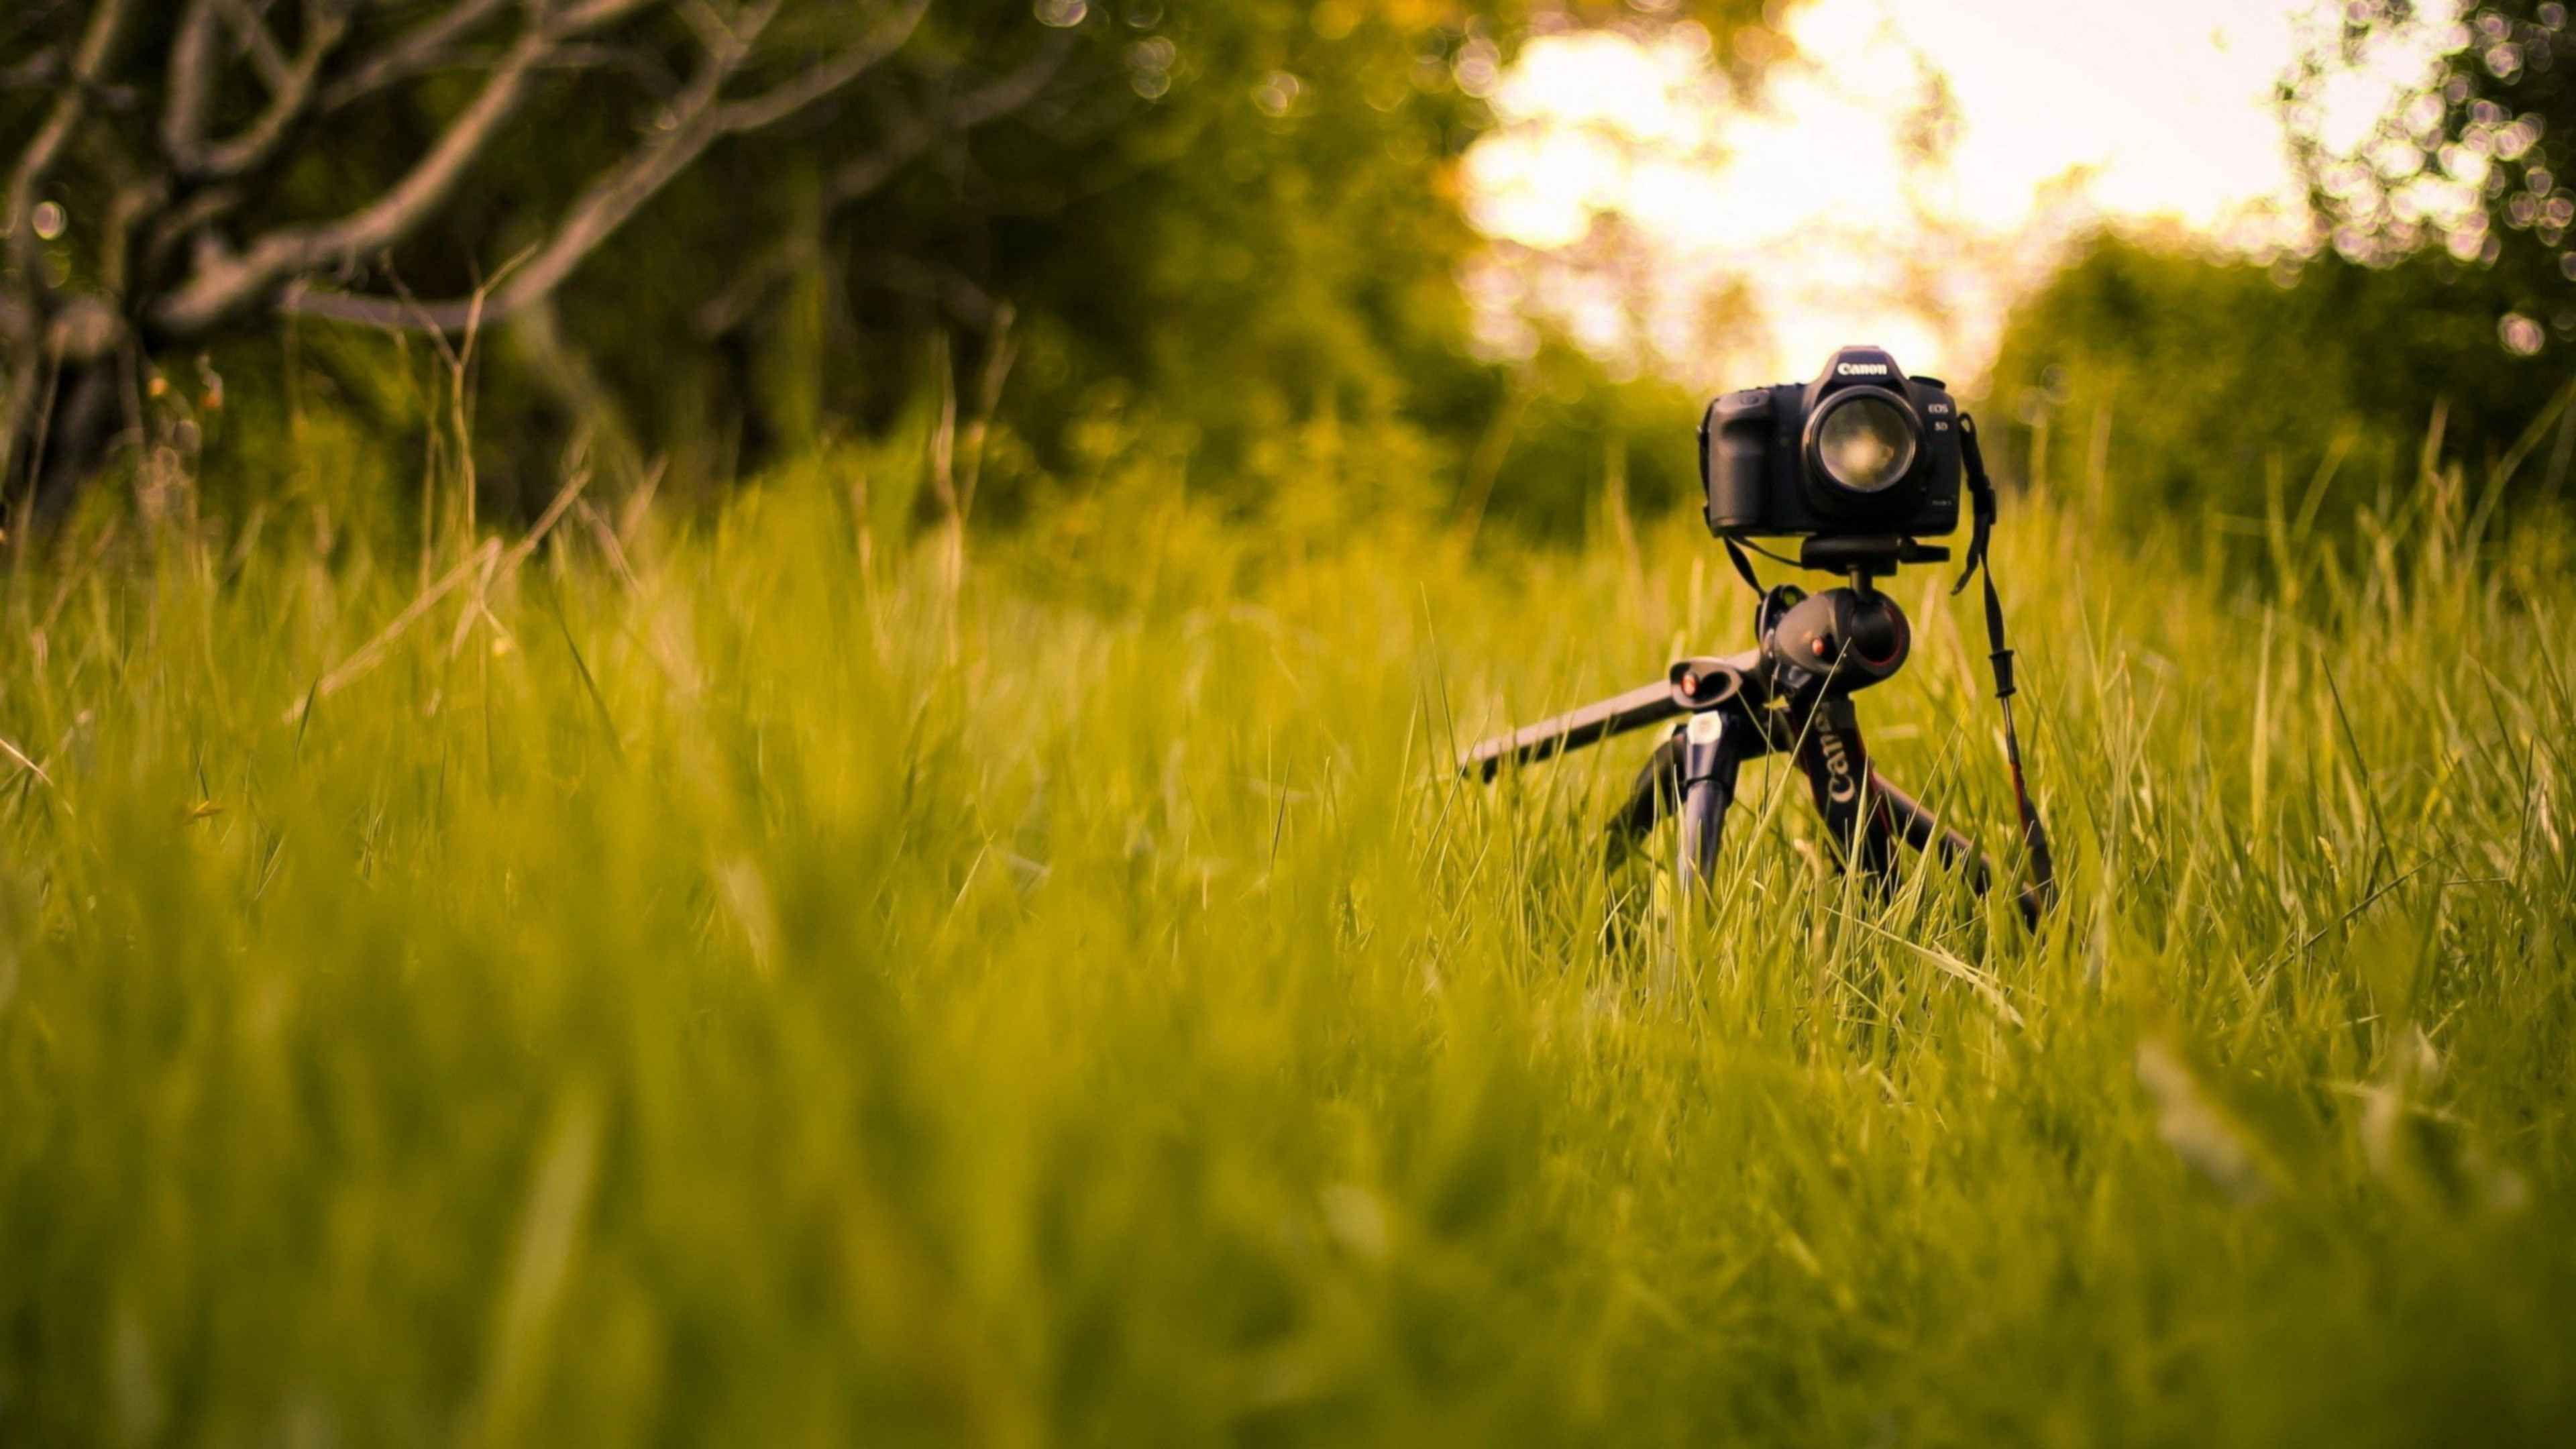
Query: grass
x: 738, y: 991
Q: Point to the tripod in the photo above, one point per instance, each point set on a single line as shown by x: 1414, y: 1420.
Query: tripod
x: 1792, y: 695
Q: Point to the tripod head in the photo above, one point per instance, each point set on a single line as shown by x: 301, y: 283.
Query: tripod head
x: 1814, y: 647
x: 1831, y: 643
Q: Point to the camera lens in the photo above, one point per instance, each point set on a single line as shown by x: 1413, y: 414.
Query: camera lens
x: 1865, y: 443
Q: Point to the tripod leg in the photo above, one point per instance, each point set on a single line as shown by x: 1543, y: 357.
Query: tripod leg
x: 1712, y: 753
x: 1924, y: 831
x: 1657, y: 790
x: 1838, y: 773
x: 1691, y: 776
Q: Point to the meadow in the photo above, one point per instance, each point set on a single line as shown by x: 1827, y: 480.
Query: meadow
x: 773, y: 979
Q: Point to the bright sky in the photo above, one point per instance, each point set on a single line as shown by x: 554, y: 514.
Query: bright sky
x: 2172, y: 100
x: 2159, y: 109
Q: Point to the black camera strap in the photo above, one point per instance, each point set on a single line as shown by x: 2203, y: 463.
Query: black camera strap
x: 1981, y: 493
x: 1743, y: 565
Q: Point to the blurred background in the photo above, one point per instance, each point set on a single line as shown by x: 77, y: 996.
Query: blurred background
x: 1477, y: 262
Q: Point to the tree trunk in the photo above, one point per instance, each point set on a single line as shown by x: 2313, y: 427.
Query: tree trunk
x: 75, y: 438
x: 66, y: 409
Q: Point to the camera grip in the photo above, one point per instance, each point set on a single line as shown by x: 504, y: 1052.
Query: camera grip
x: 1735, y: 459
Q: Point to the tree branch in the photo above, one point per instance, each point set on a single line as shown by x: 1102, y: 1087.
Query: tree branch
x: 191, y: 84
x: 933, y: 282
x: 242, y: 154
x: 750, y: 288
x: 823, y: 79
x: 423, y: 48
x: 36, y: 70
x: 250, y: 35
x: 916, y: 133
x: 596, y: 13
x: 126, y: 209
x: 197, y: 211
x: 634, y: 61
x: 224, y: 283
x: 699, y: 119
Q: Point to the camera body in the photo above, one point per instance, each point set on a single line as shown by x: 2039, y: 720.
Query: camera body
x: 1862, y: 451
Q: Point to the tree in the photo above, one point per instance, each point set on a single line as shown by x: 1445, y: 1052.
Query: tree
x: 2471, y: 150
x: 1241, y: 200
x: 225, y: 166
x: 2207, y: 384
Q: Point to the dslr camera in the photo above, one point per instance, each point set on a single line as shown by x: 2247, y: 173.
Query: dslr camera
x: 1864, y: 451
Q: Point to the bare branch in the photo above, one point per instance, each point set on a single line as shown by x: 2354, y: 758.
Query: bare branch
x: 904, y: 141
x: 751, y: 286
x: 697, y: 120
x: 426, y: 47
x: 823, y: 79
x: 633, y: 60
x: 902, y: 145
x: 596, y: 13
x: 98, y: 43
x: 250, y: 35
x: 239, y: 155
x: 940, y: 284
x: 126, y: 209
x: 197, y: 211
x: 1017, y: 90
x: 192, y: 82
x: 36, y: 70
x: 716, y: 35
x: 915, y: 134
x: 223, y: 283
x: 596, y: 215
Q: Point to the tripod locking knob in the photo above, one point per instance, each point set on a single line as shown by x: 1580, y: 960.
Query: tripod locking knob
x: 1701, y: 683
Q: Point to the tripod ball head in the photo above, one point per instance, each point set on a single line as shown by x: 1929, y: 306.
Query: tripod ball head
x: 1858, y: 638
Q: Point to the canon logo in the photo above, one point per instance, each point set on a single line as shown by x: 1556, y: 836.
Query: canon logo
x: 1860, y: 369
x: 1839, y: 786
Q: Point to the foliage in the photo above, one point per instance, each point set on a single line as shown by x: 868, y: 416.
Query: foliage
x: 2206, y: 383
x: 1214, y: 226
x: 2472, y: 153
x: 719, y: 984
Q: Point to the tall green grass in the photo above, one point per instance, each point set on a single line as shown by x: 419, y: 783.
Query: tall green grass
x: 728, y: 985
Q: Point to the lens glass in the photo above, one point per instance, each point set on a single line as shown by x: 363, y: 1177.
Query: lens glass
x: 1865, y: 443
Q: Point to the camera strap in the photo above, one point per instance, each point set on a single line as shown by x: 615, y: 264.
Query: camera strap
x: 1981, y: 492
x: 1743, y: 565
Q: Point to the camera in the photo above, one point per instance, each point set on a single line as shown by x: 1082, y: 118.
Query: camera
x: 1862, y: 451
